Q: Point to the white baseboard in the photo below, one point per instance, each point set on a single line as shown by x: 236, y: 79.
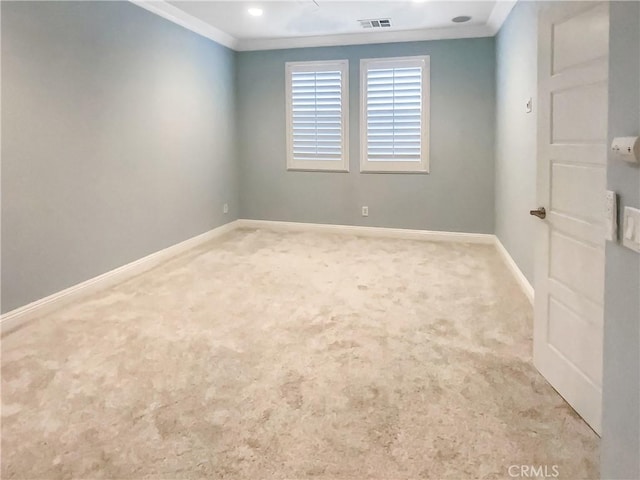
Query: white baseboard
x: 400, y: 233
x: 18, y: 317
x: 360, y: 231
x: 526, y: 287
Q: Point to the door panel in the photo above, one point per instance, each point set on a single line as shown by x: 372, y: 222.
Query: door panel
x: 572, y: 130
x: 569, y: 195
x: 563, y: 322
x: 571, y: 47
x: 580, y: 114
x: 577, y: 265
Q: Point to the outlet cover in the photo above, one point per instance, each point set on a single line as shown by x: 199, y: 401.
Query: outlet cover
x: 365, y: 211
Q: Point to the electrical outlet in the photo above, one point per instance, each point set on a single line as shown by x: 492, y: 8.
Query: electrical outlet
x: 225, y: 208
x: 365, y: 211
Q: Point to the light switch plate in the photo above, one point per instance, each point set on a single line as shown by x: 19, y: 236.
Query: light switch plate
x: 528, y: 107
x: 631, y: 228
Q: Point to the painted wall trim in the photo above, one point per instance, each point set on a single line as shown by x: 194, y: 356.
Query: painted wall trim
x: 526, y: 287
x: 170, y: 12
x: 399, y: 233
x: 175, y: 15
x: 471, y: 31
x: 499, y: 14
x: 18, y: 317
x: 379, y: 232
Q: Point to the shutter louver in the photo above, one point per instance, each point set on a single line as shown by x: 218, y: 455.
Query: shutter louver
x: 316, y: 115
x: 394, y: 114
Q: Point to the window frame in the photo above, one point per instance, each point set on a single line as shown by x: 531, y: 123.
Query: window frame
x: 367, y: 166
x: 341, y: 165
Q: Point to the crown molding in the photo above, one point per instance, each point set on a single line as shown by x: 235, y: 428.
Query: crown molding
x: 472, y: 31
x: 499, y: 14
x: 175, y: 15
x: 21, y: 315
x: 164, y: 9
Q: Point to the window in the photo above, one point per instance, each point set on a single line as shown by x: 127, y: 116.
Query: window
x: 317, y: 99
x: 394, y: 121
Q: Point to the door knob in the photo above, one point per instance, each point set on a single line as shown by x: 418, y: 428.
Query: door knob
x: 539, y: 212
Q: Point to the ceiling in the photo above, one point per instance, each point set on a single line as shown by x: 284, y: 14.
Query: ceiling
x: 308, y: 23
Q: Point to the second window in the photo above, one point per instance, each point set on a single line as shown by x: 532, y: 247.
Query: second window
x: 394, y: 117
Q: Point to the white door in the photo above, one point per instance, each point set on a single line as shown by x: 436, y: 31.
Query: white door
x: 573, y: 50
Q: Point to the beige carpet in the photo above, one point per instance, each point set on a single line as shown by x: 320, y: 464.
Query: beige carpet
x: 265, y: 355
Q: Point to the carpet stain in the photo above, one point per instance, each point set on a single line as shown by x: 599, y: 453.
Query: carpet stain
x: 288, y: 356
x: 290, y: 390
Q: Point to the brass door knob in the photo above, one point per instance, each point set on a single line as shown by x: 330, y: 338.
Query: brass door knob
x: 539, y: 212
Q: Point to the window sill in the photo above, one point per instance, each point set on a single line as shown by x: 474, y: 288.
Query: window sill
x: 402, y: 172
x: 321, y: 170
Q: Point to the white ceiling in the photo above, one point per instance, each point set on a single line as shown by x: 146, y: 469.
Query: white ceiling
x: 307, y: 23
x: 302, y: 19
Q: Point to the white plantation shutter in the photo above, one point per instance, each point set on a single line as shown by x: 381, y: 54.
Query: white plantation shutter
x: 395, y: 114
x: 394, y: 111
x: 316, y: 115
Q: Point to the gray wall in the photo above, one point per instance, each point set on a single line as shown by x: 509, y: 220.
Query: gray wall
x: 456, y: 196
x: 621, y: 392
x: 117, y: 140
x: 516, y: 81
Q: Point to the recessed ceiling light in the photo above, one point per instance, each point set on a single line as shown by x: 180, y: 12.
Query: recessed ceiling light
x: 256, y: 12
x: 461, y: 19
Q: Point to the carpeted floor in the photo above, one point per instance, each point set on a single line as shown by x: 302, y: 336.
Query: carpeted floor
x: 265, y: 355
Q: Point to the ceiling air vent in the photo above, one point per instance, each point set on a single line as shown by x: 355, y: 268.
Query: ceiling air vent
x: 375, y: 23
